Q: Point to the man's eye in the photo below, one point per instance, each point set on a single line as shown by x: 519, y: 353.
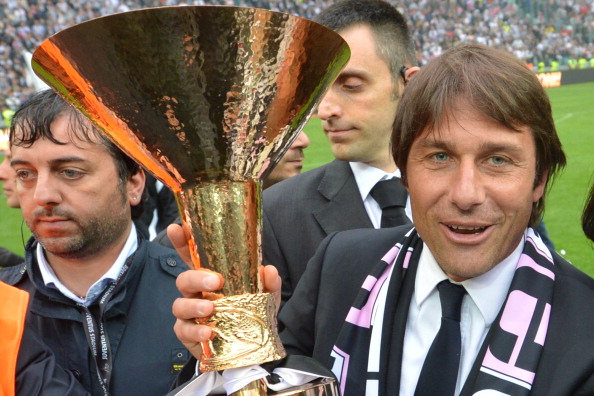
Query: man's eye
x: 498, y: 160
x: 23, y: 175
x: 440, y: 157
x: 71, y: 173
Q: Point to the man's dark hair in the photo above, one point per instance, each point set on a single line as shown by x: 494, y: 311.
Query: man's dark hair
x: 497, y: 85
x: 33, y: 119
x: 394, y: 43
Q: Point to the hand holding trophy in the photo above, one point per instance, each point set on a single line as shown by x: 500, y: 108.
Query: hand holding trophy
x: 207, y: 99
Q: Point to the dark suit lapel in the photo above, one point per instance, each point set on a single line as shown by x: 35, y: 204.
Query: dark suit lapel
x: 344, y: 209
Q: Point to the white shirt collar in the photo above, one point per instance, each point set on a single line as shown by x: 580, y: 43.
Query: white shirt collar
x: 367, y: 176
x: 51, y: 280
x: 488, y: 291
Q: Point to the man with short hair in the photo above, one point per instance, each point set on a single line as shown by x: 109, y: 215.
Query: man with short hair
x: 468, y: 302
x: 357, y: 114
x: 91, y: 276
x: 290, y: 163
x: 7, y: 176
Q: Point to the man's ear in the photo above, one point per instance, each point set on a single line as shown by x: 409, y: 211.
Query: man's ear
x: 539, y: 186
x: 410, y: 72
x: 136, y: 187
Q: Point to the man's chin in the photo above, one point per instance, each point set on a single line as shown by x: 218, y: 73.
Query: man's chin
x: 62, y: 246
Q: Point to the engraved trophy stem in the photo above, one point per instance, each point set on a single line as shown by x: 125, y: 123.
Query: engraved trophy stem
x: 223, y: 218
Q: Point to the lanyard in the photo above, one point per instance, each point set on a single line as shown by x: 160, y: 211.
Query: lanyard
x: 97, y: 337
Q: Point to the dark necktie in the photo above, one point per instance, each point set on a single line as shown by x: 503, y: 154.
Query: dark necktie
x: 440, y: 370
x: 391, y: 197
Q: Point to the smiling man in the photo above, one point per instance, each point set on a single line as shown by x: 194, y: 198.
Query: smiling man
x: 90, y: 275
x: 470, y: 301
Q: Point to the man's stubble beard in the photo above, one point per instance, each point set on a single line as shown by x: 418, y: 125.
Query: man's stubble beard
x: 94, y: 235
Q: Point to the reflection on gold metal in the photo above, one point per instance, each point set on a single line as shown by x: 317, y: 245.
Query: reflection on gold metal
x: 320, y: 387
x: 224, y: 217
x: 242, y: 325
x: 207, y: 99
x: 257, y: 387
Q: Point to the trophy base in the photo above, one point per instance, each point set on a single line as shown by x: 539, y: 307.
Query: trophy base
x: 245, y: 333
x: 319, y: 387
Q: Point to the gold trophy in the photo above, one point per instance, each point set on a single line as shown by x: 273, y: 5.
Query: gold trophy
x: 207, y: 99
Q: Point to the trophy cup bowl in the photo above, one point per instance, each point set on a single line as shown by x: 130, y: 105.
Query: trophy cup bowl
x: 207, y: 99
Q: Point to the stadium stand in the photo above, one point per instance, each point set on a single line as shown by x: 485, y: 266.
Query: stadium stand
x: 547, y: 34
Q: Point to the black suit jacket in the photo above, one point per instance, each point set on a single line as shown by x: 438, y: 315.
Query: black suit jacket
x: 301, y: 211
x: 314, y: 315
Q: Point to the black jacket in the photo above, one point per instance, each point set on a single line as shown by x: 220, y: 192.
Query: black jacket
x: 298, y: 213
x: 314, y: 315
x: 146, y: 352
x: 37, y: 373
x: 8, y: 258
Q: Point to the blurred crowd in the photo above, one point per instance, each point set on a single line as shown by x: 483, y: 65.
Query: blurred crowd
x: 547, y: 34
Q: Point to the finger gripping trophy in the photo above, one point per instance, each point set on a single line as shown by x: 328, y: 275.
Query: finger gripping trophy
x: 207, y: 99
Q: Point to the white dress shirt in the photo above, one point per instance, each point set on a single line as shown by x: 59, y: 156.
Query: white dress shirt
x: 367, y: 177
x: 485, y: 297
x: 51, y: 280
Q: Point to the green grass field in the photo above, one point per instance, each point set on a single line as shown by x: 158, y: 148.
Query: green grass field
x: 573, y: 107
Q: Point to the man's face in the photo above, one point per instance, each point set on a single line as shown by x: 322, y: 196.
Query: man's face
x: 358, y: 110
x: 291, y: 163
x: 71, y: 196
x: 8, y: 176
x: 472, y: 187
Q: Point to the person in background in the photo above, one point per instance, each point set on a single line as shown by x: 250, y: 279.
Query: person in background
x: 159, y: 208
x: 7, y: 176
x: 90, y: 275
x: 361, y: 188
x: 290, y: 163
x: 468, y: 301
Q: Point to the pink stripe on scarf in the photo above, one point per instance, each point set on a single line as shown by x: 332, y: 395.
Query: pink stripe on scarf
x: 362, y: 317
x: 527, y: 261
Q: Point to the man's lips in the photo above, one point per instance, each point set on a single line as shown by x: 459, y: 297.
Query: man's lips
x: 466, y: 229
x: 337, y: 131
x: 51, y: 219
x: 467, y: 234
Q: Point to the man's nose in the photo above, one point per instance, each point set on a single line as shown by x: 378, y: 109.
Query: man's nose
x: 46, y: 192
x: 302, y: 141
x: 467, y: 188
x: 329, y: 107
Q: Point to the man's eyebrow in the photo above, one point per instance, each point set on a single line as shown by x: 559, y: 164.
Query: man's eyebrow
x: 502, y: 147
x: 357, y: 73
x: 17, y: 161
x: 431, y: 142
x: 54, y: 162
x: 63, y: 160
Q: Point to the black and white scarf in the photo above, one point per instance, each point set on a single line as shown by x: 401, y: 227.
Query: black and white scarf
x: 509, y: 355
